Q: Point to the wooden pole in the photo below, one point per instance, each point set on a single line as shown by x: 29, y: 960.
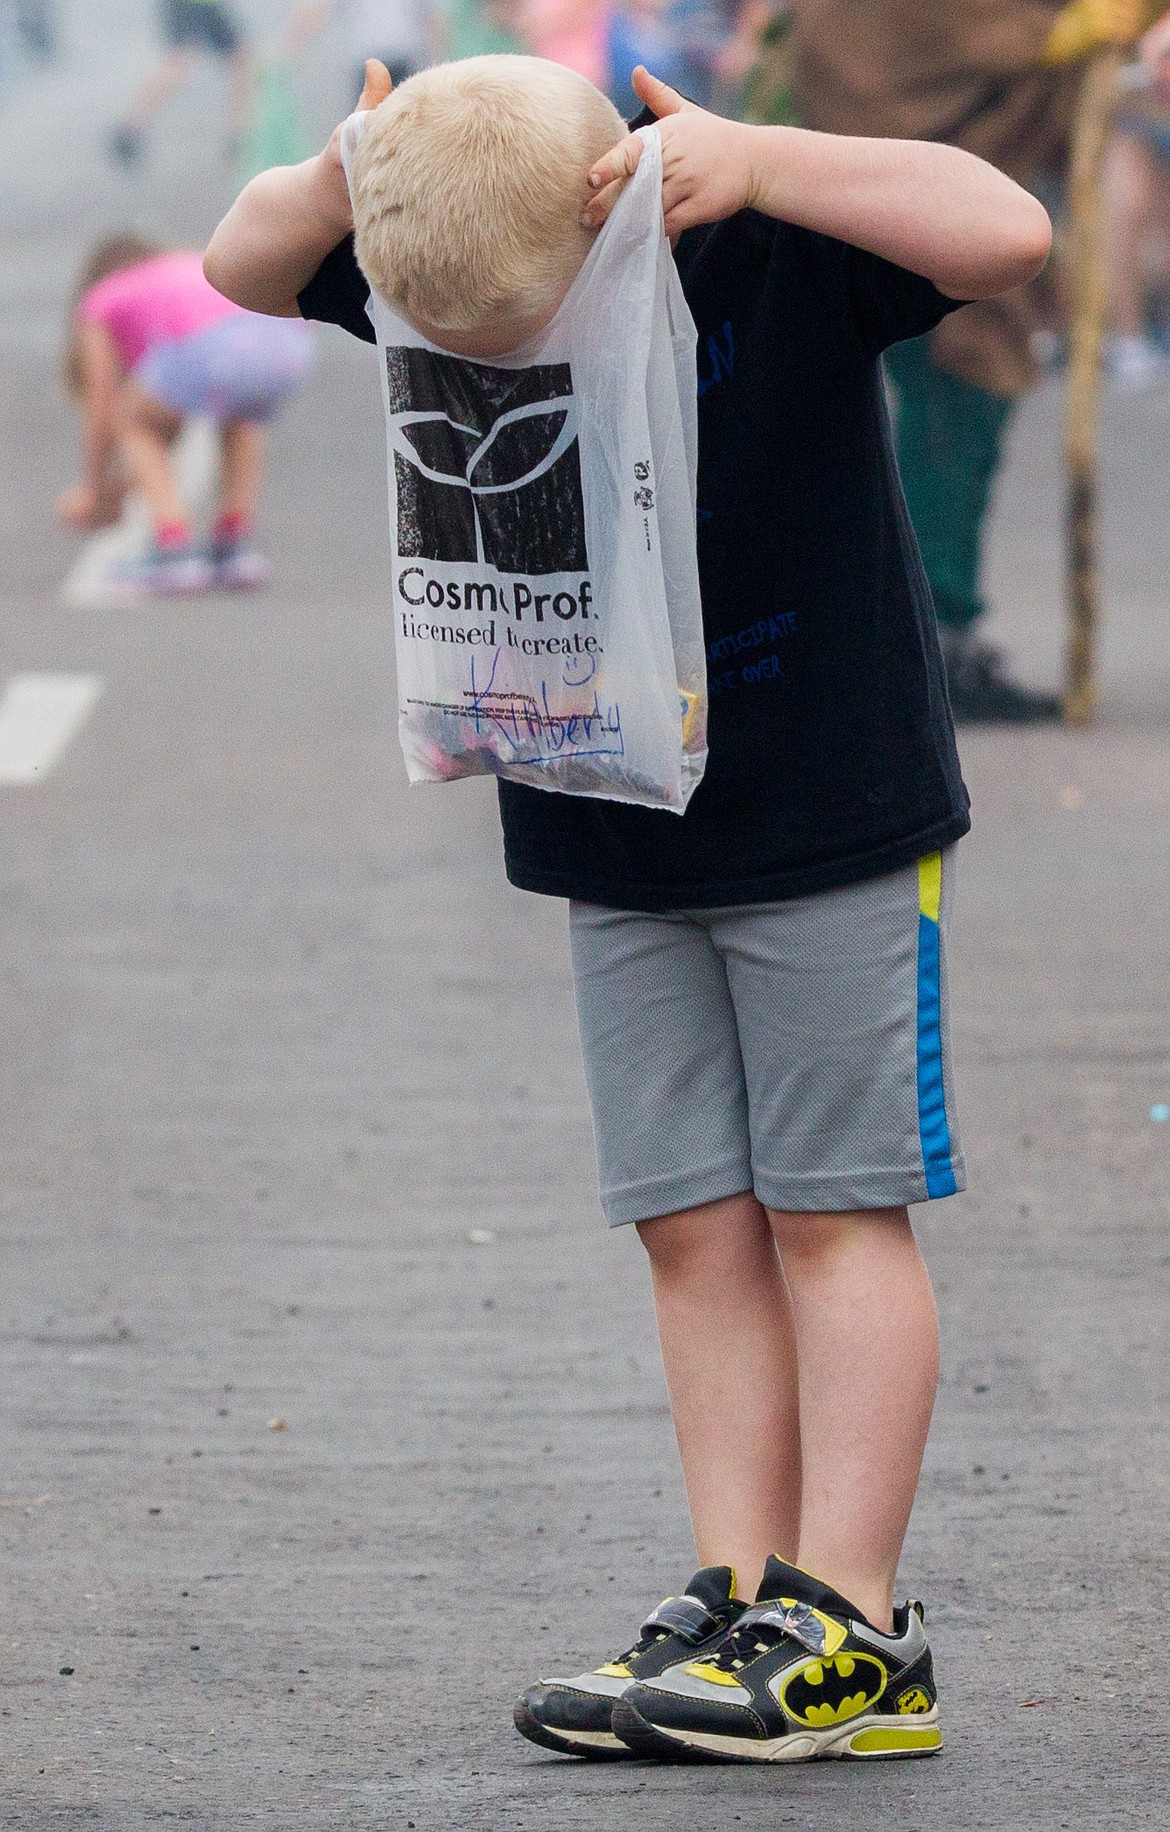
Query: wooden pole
x: 1088, y: 304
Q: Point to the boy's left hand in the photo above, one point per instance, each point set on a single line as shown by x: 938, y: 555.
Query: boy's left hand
x: 706, y: 162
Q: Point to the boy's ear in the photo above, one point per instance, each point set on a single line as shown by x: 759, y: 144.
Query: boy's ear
x: 377, y: 84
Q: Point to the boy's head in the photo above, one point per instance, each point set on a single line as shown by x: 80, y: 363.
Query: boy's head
x: 468, y: 187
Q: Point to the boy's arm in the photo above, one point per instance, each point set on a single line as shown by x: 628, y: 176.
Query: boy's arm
x: 935, y: 210
x: 283, y: 224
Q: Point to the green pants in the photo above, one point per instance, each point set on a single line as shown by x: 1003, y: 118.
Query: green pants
x: 949, y: 439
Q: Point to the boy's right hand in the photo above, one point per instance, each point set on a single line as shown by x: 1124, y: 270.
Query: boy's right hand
x: 332, y: 191
x: 284, y: 224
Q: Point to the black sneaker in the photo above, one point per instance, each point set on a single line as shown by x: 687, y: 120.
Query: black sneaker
x: 983, y: 693
x: 573, y: 1715
x: 800, y: 1675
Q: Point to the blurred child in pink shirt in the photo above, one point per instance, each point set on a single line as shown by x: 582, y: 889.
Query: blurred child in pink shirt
x: 151, y: 344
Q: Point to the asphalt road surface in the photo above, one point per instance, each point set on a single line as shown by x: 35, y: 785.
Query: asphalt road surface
x: 280, y: 1041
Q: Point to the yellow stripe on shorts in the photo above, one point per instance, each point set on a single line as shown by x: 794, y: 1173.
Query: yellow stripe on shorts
x: 930, y: 885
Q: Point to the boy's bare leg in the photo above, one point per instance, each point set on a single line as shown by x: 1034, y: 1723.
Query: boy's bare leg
x: 725, y: 1325
x: 867, y: 1351
x: 242, y: 455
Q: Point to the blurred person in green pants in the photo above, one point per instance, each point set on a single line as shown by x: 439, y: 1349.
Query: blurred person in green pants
x: 400, y: 33
x: 190, y: 29
x: 1000, y: 78
x: 482, y: 28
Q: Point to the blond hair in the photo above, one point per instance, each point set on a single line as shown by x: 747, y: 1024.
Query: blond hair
x: 468, y: 187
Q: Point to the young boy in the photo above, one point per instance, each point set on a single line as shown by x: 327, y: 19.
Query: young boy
x: 762, y: 983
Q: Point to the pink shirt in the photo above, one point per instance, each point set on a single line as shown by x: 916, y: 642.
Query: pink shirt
x: 572, y: 32
x: 156, y: 301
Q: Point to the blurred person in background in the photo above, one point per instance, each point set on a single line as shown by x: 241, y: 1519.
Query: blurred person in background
x: 717, y: 42
x: 640, y: 33
x: 149, y: 344
x: 402, y: 34
x: 480, y: 28
x: 571, y: 32
x: 703, y: 48
x: 1137, y: 191
x: 768, y: 97
x: 36, y: 27
x: 999, y: 78
x: 188, y: 27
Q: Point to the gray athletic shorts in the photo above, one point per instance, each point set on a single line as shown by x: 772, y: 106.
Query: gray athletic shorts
x: 797, y: 1049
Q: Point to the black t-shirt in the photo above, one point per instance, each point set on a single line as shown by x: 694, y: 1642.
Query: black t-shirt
x: 831, y: 749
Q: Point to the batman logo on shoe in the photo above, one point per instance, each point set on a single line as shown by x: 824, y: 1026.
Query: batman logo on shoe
x: 823, y: 1692
x: 912, y: 1702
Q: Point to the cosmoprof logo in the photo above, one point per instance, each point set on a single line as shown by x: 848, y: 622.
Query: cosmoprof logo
x: 486, y: 463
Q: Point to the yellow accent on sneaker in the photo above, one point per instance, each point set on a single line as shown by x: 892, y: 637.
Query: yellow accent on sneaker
x: 875, y: 1742
x: 715, y: 1675
x: 614, y: 1669
x: 911, y: 1703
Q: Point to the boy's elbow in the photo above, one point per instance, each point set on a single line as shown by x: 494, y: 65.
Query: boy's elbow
x: 1039, y: 240
x: 214, y: 271
x: 1023, y: 248
x: 1031, y: 245
x: 217, y: 270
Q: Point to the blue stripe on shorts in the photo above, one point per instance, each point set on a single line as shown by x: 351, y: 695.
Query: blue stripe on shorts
x: 933, y: 1128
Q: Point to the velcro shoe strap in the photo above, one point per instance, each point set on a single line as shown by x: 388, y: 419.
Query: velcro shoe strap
x: 684, y: 1616
x: 814, y: 1630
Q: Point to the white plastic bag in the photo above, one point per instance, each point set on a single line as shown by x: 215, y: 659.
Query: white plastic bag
x: 542, y: 523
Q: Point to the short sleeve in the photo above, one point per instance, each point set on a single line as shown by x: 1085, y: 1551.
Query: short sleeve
x: 890, y: 303
x: 338, y: 293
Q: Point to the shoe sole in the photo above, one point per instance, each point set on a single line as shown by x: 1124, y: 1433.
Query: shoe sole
x: 867, y: 1739
x: 241, y: 582
x: 592, y: 1745
x: 196, y: 586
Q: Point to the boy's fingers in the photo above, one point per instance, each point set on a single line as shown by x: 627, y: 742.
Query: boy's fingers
x: 599, y: 206
x: 657, y: 95
x: 680, y: 218
x: 619, y: 163
x: 377, y: 84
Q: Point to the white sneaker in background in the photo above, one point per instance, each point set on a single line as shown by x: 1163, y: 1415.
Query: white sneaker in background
x: 1134, y: 363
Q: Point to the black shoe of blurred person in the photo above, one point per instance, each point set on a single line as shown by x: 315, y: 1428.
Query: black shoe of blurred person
x: 36, y: 21
x: 982, y: 693
x: 124, y: 145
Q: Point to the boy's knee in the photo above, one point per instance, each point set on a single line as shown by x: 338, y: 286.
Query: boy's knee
x: 809, y: 1240
x: 707, y: 1238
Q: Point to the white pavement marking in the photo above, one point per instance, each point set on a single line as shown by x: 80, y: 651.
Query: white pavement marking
x: 39, y: 714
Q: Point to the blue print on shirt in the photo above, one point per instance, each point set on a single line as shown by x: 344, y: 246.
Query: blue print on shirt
x: 721, y: 357
x: 766, y: 667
